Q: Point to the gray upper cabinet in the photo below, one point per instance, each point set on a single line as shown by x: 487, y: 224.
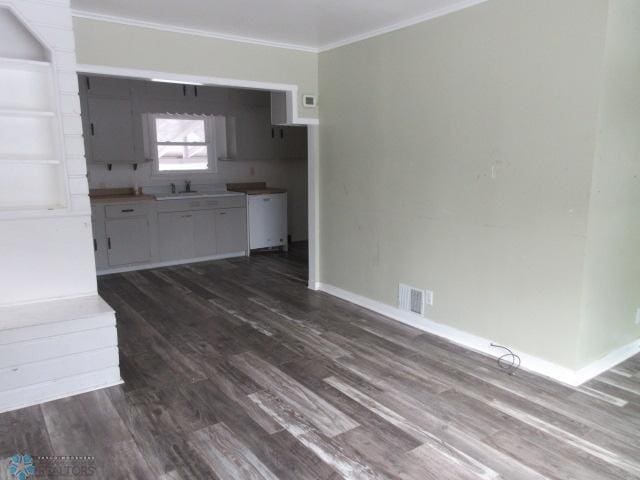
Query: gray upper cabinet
x: 165, y: 90
x: 105, y: 86
x: 295, y: 142
x: 290, y: 142
x: 112, y: 111
x: 254, y: 135
x: 110, y: 130
x: 211, y: 94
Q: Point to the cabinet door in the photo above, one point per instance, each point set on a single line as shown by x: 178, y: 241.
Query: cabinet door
x: 253, y: 134
x: 108, y: 86
x: 204, y: 233
x: 173, y: 91
x: 110, y: 130
x: 295, y: 142
x: 175, y: 235
x: 267, y: 220
x: 231, y: 230
x: 128, y: 241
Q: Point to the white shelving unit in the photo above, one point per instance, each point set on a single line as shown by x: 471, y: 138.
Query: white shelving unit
x: 31, y: 151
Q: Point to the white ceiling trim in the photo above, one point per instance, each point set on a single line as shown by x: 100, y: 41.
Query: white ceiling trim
x: 402, y: 24
x: 462, y: 4
x: 189, y: 31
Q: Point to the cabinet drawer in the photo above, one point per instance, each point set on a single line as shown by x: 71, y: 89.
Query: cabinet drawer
x: 201, y: 203
x: 123, y: 211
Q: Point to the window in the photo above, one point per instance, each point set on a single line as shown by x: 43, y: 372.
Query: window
x: 181, y: 143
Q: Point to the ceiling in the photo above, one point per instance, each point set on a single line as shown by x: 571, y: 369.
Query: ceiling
x: 305, y: 24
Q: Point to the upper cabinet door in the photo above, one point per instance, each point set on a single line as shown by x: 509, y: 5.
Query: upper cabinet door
x: 254, y: 134
x: 295, y: 142
x: 105, y: 86
x: 172, y: 91
x: 110, y: 130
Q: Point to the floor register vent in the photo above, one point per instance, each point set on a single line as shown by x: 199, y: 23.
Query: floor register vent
x: 413, y: 299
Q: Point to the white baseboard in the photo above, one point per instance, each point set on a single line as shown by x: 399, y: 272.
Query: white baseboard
x: 62, y: 388
x: 171, y: 263
x: 532, y: 363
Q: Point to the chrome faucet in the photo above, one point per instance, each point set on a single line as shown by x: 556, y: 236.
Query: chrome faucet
x: 187, y: 186
x: 173, y: 188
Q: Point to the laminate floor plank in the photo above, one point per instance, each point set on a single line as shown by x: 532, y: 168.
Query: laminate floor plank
x: 330, y: 420
x: 227, y: 457
x: 235, y: 369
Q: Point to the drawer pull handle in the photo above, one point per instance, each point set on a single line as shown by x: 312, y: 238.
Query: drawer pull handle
x: 223, y: 213
x: 266, y: 199
x: 128, y: 210
x: 109, y: 243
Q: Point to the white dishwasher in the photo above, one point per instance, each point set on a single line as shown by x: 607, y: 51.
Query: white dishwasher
x: 267, y: 220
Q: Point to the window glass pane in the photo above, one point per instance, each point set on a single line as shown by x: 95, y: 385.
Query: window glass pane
x: 182, y: 157
x: 180, y: 130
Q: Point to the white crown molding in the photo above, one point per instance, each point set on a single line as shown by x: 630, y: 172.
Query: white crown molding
x: 267, y: 43
x: 461, y: 5
x: 573, y: 378
x: 190, y: 31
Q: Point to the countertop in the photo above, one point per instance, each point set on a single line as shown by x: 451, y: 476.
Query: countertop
x: 127, y: 195
x: 116, y: 195
x: 256, y: 188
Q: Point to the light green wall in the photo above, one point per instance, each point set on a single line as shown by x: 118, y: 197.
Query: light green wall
x: 612, y: 268
x: 117, y: 45
x: 456, y: 156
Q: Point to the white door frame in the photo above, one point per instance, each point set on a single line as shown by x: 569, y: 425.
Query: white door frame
x: 292, y: 92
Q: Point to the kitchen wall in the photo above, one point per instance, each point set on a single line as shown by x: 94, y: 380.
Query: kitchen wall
x: 456, y: 156
x: 612, y: 269
x: 272, y: 167
x: 117, y: 45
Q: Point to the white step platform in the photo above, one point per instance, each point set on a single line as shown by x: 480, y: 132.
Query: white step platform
x: 54, y: 349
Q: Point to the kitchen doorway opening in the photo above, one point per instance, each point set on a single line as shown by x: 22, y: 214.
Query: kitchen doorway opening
x: 135, y: 127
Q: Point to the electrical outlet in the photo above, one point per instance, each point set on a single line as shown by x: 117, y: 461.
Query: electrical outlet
x: 638, y: 316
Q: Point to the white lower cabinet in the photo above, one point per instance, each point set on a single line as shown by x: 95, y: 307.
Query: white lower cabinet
x: 175, y: 235
x: 204, y: 233
x: 126, y: 236
x: 201, y: 233
x: 128, y: 241
x: 231, y: 230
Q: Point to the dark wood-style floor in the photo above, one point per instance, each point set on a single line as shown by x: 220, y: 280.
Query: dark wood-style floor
x: 235, y: 370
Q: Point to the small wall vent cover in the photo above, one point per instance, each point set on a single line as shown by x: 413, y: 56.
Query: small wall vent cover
x: 309, y: 101
x: 411, y: 299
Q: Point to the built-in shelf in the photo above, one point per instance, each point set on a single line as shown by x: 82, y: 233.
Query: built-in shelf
x: 26, y: 113
x: 28, y: 161
x: 31, y: 146
x: 35, y: 209
x: 21, y: 63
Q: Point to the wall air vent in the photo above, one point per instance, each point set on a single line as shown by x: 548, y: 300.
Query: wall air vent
x: 413, y: 300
